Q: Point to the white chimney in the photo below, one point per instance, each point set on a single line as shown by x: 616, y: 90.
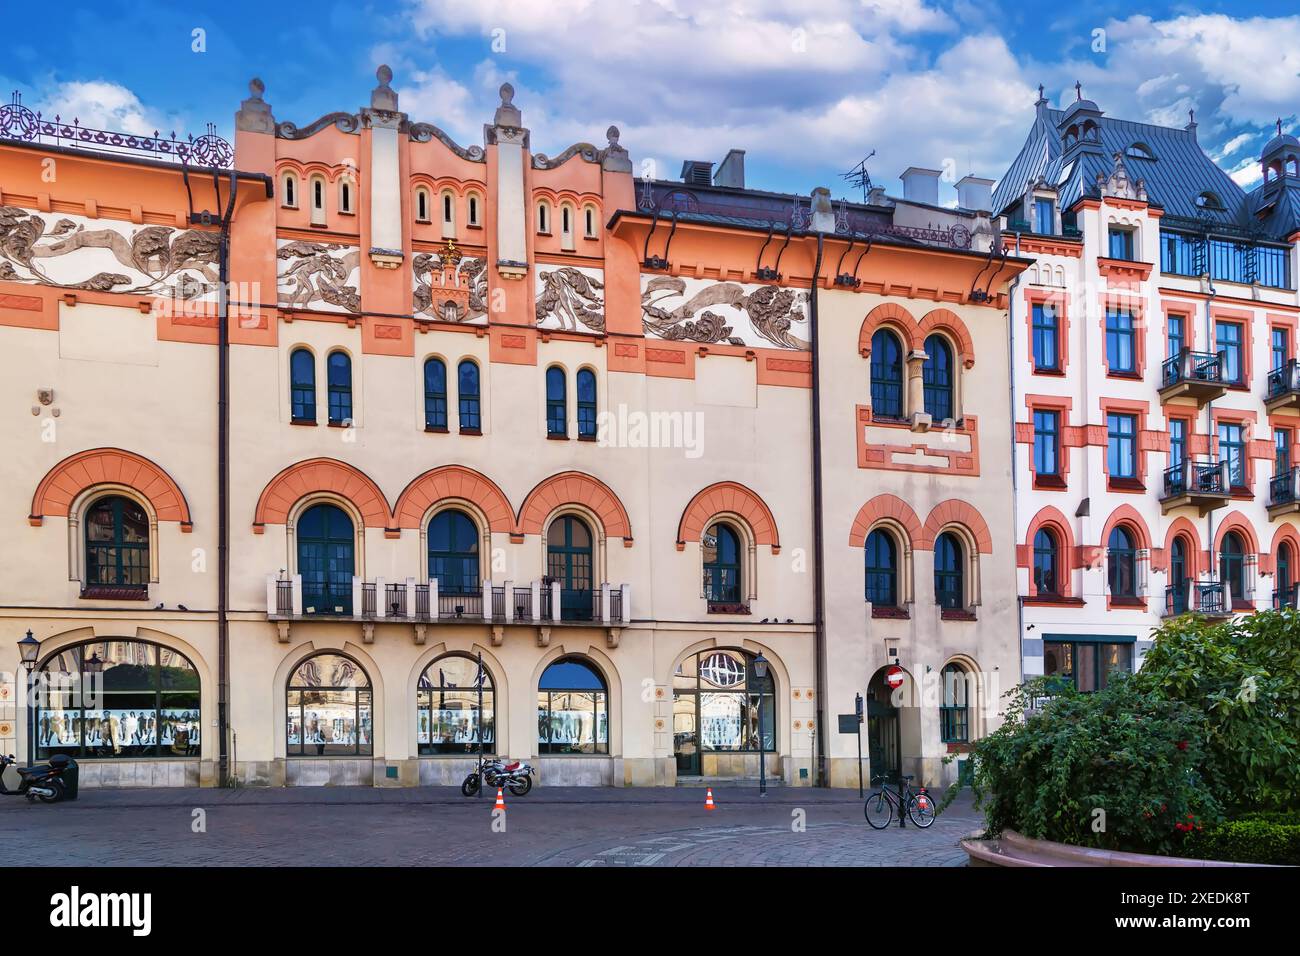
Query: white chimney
x: 975, y: 194
x: 921, y: 185
x: 732, y: 171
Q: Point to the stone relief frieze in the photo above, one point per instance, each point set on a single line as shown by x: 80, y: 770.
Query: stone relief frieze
x: 570, y: 299
x: 101, y: 255
x: 322, y: 276
x: 449, y: 287
x: 709, y: 311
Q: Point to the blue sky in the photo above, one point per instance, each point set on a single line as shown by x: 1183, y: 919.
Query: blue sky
x: 807, y: 88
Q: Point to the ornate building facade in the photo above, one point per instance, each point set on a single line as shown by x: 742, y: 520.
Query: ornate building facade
x: 330, y: 456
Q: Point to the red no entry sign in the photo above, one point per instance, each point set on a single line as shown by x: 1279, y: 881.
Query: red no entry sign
x: 894, y: 677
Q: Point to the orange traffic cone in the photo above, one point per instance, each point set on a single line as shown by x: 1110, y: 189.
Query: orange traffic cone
x: 708, y: 799
x: 501, y: 800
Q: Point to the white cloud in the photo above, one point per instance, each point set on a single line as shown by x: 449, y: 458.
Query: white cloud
x: 103, y: 105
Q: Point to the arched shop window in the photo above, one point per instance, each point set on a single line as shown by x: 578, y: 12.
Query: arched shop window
x: 328, y: 708
x: 572, y: 709
x: 119, y: 698
x: 448, y: 698
x: 717, y: 698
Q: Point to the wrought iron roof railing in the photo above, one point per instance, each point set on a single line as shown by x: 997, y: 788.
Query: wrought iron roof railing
x: 19, y: 123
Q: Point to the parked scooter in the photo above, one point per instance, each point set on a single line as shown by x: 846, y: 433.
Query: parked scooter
x: 516, y: 776
x: 44, y: 780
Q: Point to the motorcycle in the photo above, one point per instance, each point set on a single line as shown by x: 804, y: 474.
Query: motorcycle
x: 44, y: 780
x: 515, y: 776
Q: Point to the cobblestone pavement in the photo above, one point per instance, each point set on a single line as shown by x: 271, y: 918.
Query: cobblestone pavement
x: 429, y: 827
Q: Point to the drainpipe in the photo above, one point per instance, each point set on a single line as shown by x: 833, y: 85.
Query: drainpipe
x: 223, y: 485
x: 1209, y: 414
x: 819, y: 575
x: 1015, y: 492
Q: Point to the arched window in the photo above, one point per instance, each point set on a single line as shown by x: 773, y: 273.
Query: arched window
x: 1179, y: 584
x: 117, y: 545
x: 143, y: 703
x: 448, y: 214
x: 290, y: 197
x: 326, y: 546
x: 471, y: 418
x: 568, y: 561
x: 318, y: 200
x: 345, y: 196
x: 328, y: 708
x: 566, y: 226
x: 340, y: 388
x: 1121, y: 559
x: 1282, y: 575
x: 1232, y: 565
x: 948, y: 578
x: 954, y: 713
x: 589, y: 221
x: 1046, y: 563
x: 302, y: 385
x: 572, y: 709
x: 557, y: 414
x: 936, y: 379
x: 435, y: 395
x: 721, y: 705
x: 454, y: 553
x: 586, y: 403
x: 722, y: 578
x: 422, y: 205
x: 544, y: 218
x: 882, y: 569
x: 886, y: 375
x: 447, y: 709
x: 473, y: 204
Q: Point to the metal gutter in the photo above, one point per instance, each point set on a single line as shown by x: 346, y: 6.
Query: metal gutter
x: 819, y: 571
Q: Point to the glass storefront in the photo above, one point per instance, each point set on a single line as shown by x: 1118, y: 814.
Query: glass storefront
x: 1087, y: 664
x: 447, y: 707
x: 572, y: 709
x: 118, y: 699
x: 328, y: 708
x: 721, y: 705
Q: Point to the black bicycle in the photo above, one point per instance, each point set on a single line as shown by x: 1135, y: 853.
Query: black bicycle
x: 879, y: 808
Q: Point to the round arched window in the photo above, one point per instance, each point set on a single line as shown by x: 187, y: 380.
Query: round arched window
x: 454, y: 700
x: 119, y: 698
x: 721, y: 565
x: 328, y: 708
x: 572, y: 709
x: 720, y: 704
x: 117, y: 545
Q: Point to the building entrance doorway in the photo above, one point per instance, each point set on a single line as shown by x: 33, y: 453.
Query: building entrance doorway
x: 883, y: 729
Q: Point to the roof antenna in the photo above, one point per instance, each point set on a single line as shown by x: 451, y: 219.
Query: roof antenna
x: 858, y: 176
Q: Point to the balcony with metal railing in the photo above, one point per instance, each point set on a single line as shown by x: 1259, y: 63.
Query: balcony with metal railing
x: 1284, y: 493
x: 1194, y: 375
x: 1282, y: 389
x: 1203, y: 485
x: 1287, y: 597
x: 1213, y: 598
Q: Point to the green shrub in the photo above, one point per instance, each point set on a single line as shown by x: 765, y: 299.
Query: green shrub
x: 1125, y: 751
x: 1249, y: 841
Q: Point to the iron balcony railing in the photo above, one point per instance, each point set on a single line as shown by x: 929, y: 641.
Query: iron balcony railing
x: 368, y: 606
x: 1284, y: 489
x: 422, y: 601
x: 1286, y: 597
x: 616, y: 604
x: 1211, y: 597
x: 395, y: 602
x: 523, y: 598
x: 1197, y: 478
x: 1284, y: 380
x: 458, y: 606
x: 498, y: 604
x: 1178, y: 598
x: 1189, y: 366
x: 284, y: 598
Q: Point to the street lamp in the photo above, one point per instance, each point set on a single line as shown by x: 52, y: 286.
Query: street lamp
x: 760, y: 671
x: 29, y: 649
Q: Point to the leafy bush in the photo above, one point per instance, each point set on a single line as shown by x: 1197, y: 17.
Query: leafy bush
x: 1125, y: 751
x: 1243, y: 677
x: 1251, y: 840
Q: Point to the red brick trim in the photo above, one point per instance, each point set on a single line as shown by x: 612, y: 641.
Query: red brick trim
x: 101, y: 466
x: 1181, y: 527
x: 1146, y: 441
x: 1126, y: 515
x: 881, y: 456
x: 733, y: 497
x: 884, y: 507
x: 1061, y: 301
x: 453, y: 481
x: 945, y: 320
x: 1286, y: 532
x: 1137, y: 307
x: 1066, y: 557
x: 1245, y: 318
x: 956, y: 511
x: 317, y: 475
x: 1187, y: 311
x: 889, y: 313
x: 573, y: 487
x: 1238, y: 522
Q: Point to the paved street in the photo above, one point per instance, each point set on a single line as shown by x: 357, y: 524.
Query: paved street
x: 549, y: 827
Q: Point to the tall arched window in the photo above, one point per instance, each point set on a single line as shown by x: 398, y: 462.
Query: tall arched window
x: 435, y: 395
x: 1282, y: 576
x: 345, y: 196
x: 948, y: 577
x: 1046, y: 563
x: 144, y: 703
x: 937, y: 379
x: 471, y: 418
x: 586, y: 403
x: 454, y: 553
x: 566, y: 226
x: 447, y: 715
x: 448, y: 214
x: 473, y: 206
x: 722, y: 578
x: 572, y: 709
x: 886, y: 375
x: 326, y: 546
x: 1179, y: 585
x: 589, y: 221
x: 882, y: 569
x: 422, y: 205
x: 318, y: 200
x: 569, y: 561
x: 544, y: 218
x: 1232, y: 565
x: 328, y: 708
x: 721, y: 705
x: 340, y: 388
x: 557, y: 413
x: 1121, y: 559
x: 290, y: 197
x: 954, y: 713
x: 302, y: 385
x: 117, y: 546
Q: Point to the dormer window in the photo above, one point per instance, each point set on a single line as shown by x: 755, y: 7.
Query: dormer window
x: 1121, y: 243
x: 1139, y: 151
x: 1044, y: 217
x: 1208, y: 200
